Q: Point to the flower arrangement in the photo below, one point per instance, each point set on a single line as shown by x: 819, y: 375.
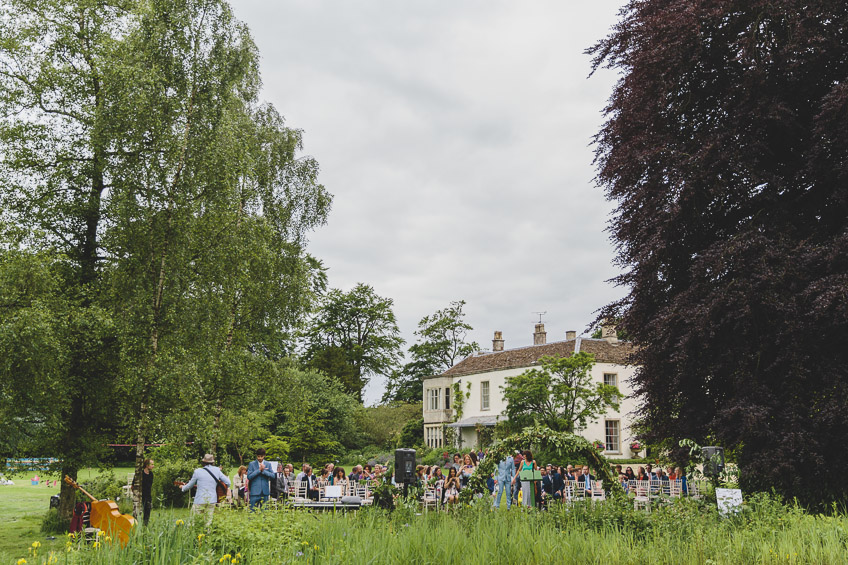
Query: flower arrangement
x: 635, y: 446
x: 599, y: 445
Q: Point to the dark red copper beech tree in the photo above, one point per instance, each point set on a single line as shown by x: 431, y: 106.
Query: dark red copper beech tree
x: 725, y: 149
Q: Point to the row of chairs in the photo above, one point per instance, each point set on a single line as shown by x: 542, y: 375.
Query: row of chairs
x: 647, y: 493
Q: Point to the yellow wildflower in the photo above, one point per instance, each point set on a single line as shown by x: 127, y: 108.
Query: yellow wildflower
x: 180, y: 522
x: 96, y: 545
x: 36, y: 544
x: 21, y: 561
x: 316, y: 548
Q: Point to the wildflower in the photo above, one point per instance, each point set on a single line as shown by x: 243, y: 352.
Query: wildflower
x: 99, y: 533
x: 298, y: 554
x: 21, y: 561
x: 36, y: 544
x: 316, y: 549
x: 200, y: 537
x: 179, y: 522
x: 107, y: 538
x: 226, y: 557
x: 96, y: 545
x: 304, y: 543
x: 72, y: 535
x: 52, y: 559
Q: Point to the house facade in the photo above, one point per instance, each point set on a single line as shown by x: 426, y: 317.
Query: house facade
x: 465, y: 400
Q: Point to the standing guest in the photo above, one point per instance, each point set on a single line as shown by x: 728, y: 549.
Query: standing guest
x: 147, y: 489
x: 479, y: 457
x: 527, y: 488
x: 474, y: 459
x: 206, y: 478
x: 451, y: 489
x: 240, y: 485
x: 284, y: 482
x: 457, y: 462
x: 684, y: 486
x: 466, y: 470
x: 505, y: 471
x: 516, y: 486
x: 260, y: 477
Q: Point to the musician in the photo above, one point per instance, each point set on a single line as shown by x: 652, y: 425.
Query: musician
x: 206, y: 478
x: 259, y: 476
x: 147, y: 489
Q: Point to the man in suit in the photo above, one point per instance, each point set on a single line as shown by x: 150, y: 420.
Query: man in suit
x: 587, y: 479
x: 260, y: 477
x: 557, y: 483
x: 505, y: 472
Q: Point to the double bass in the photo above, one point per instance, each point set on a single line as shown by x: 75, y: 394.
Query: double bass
x: 106, y: 516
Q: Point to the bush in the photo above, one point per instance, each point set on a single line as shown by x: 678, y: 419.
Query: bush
x: 53, y: 524
x: 104, y: 486
x: 164, y: 475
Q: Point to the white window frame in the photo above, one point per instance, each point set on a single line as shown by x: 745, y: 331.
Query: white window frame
x: 485, y: 395
x: 433, y: 398
x: 612, y: 447
x: 615, y: 383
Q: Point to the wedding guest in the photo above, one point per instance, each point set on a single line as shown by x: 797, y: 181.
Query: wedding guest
x: 527, y: 496
x: 629, y: 474
x: 367, y: 472
x: 642, y: 475
x: 260, y: 476
x: 518, y: 458
x: 147, y: 489
x: 285, y: 482
x: 451, y: 488
x: 356, y: 473
x: 239, y: 485
x: 339, y: 478
x: 466, y: 470
x: 505, y: 471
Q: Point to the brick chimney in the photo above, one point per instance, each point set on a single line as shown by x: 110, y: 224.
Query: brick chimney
x: 540, y: 335
x: 608, y: 332
x: 497, y: 343
x: 570, y: 334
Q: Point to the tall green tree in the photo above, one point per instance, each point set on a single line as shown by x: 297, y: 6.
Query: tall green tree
x: 560, y: 394
x: 55, y: 170
x: 361, y: 325
x: 724, y: 151
x: 442, y: 341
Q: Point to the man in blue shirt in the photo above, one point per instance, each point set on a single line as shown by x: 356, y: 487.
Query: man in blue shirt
x: 260, y: 476
x: 206, y: 478
x: 505, y: 472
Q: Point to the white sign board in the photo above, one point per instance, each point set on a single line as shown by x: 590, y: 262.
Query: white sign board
x: 333, y: 491
x: 729, y: 500
x: 272, y: 466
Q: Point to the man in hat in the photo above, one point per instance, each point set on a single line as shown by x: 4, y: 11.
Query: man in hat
x: 260, y: 476
x: 206, y: 478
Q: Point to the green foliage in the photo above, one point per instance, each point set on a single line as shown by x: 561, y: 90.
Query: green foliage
x: 241, y: 428
x: 382, y: 425
x: 412, y: 434
x: 441, y: 342
x: 560, y: 394
x: 52, y: 523
x: 276, y: 448
x: 166, y: 472
x: 362, y: 326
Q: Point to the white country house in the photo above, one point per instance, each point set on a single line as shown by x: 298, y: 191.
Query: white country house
x: 481, y: 376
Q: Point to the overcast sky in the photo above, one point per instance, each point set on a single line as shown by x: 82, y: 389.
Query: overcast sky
x: 456, y: 140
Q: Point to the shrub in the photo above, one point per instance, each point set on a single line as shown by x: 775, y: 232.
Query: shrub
x: 51, y: 523
x: 164, y: 491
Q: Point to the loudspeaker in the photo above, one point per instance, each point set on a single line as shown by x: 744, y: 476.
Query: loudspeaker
x: 404, y: 466
x: 713, y: 460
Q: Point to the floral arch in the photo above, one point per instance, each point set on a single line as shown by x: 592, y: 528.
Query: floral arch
x: 565, y: 444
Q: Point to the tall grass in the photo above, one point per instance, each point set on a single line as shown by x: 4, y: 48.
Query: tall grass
x: 685, y: 531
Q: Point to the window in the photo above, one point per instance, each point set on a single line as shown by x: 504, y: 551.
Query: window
x: 484, y: 395
x: 611, y: 379
x: 613, y: 435
x: 447, y: 398
x: 433, y: 436
x: 433, y: 398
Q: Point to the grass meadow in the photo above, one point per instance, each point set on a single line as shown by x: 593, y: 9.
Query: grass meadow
x: 685, y: 531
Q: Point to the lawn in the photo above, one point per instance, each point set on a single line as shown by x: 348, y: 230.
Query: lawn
x: 22, y: 507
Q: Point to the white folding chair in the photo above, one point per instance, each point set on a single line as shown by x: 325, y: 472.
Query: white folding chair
x: 598, y: 491
x: 642, y: 491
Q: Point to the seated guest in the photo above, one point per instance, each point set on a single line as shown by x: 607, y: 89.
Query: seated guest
x: 367, y: 473
x: 311, y: 484
x: 490, y: 484
x: 326, y: 474
x: 339, y: 478
x: 285, y: 482
x: 629, y: 474
x: 437, y: 476
x: 684, y: 487
x: 452, y: 487
x: 671, y: 475
x: 587, y: 480
x: 569, y: 473
x: 642, y: 475
x: 649, y: 471
x: 618, y: 470
x: 557, y: 483
x: 355, y: 473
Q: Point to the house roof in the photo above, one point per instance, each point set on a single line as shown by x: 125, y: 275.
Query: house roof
x: 604, y: 352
